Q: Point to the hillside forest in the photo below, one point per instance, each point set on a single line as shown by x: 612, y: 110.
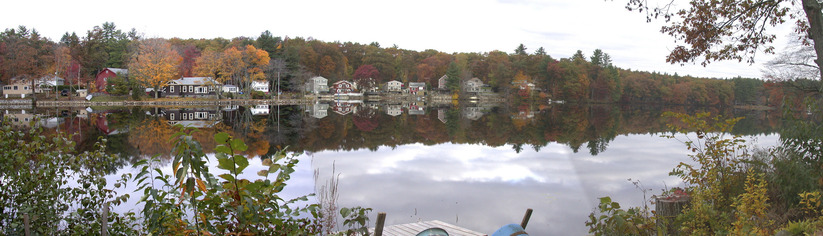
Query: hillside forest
x: 291, y: 61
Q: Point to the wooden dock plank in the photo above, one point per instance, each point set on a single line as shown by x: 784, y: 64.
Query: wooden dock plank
x: 414, y: 228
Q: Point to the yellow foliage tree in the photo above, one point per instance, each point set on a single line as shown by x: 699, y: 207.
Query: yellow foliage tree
x: 208, y: 65
x: 154, y: 64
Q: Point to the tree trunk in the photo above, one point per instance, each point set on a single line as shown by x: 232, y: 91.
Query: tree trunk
x: 815, y: 18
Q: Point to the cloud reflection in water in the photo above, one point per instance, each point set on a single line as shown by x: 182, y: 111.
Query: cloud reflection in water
x: 483, y: 188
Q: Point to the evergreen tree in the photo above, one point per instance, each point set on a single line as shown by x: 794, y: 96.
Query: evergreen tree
x: 521, y: 50
x: 453, y: 79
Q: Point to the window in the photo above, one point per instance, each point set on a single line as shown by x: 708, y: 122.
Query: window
x: 25, y: 87
x: 201, y: 89
x: 185, y: 116
x: 183, y: 89
x: 201, y: 115
x: 191, y: 116
x: 211, y: 89
x: 191, y: 89
x: 171, y: 89
x: 171, y: 116
x: 7, y: 88
x: 15, y: 87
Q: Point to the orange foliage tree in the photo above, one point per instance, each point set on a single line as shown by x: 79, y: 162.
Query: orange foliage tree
x: 154, y: 64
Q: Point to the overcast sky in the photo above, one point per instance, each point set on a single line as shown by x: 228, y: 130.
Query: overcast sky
x: 560, y: 26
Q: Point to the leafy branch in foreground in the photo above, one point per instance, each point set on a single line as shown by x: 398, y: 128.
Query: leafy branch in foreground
x: 228, y: 205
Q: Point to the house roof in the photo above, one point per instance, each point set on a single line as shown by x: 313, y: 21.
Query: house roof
x: 118, y: 70
x: 193, y: 81
x: 342, y: 81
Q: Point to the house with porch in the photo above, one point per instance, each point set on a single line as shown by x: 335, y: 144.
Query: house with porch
x: 317, y: 85
x: 46, y: 84
x: 101, y: 80
x: 191, y: 87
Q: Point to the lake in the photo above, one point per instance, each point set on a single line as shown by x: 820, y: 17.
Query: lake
x: 478, y: 166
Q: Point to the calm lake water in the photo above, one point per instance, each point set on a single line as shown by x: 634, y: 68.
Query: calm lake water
x: 475, y: 166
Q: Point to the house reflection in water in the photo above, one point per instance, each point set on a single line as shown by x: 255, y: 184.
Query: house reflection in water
x: 260, y: 110
x: 318, y: 110
x: 19, y: 118
x: 192, y: 117
x: 394, y: 109
x: 474, y: 113
x: 344, y: 107
x: 417, y: 108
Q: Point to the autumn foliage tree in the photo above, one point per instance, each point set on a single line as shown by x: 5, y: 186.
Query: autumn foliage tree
x: 366, y: 77
x: 154, y: 64
x: 732, y: 30
x: 25, y: 52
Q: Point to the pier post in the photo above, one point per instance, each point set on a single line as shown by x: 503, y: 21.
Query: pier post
x: 526, y: 218
x: 381, y: 220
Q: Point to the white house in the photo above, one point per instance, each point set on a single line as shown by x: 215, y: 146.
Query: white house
x: 394, y: 86
x: 46, y: 83
x: 260, y: 85
x: 230, y: 88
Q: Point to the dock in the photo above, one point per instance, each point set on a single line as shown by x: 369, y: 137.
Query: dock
x: 414, y: 228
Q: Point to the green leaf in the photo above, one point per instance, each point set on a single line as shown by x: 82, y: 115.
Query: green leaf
x: 227, y: 177
x: 242, y: 163
x: 238, y: 145
x: 222, y: 149
x: 221, y: 138
x: 345, y: 212
x: 225, y: 163
x: 190, y: 184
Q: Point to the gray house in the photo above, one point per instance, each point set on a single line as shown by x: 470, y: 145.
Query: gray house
x: 317, y: 85
x: 191, y: 87
x: 475, y: 85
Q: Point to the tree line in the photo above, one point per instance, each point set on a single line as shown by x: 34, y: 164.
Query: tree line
x: 291, y: 61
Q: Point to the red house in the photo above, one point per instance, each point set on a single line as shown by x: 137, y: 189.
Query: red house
x: 342, y: 87
x: 101, y: 80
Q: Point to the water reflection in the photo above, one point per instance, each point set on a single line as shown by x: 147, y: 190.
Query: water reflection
x: 482, y: 188
x: 476, y: 165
